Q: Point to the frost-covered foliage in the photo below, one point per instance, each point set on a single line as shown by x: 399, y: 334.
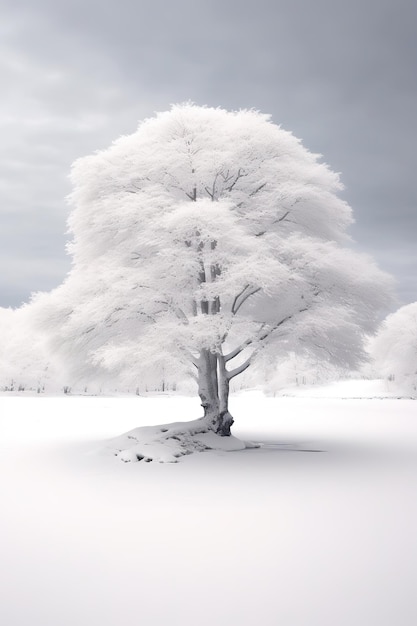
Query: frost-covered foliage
x: 24, y: 361
x: 293, y: 370
x: 394, y: 349
x: 202, y: 242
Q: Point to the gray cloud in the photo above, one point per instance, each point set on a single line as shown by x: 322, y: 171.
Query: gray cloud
x: 76, y: 75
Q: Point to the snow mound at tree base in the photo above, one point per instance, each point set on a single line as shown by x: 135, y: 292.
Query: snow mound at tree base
x: 169, y: 442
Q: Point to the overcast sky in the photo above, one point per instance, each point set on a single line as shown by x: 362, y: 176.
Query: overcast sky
x: 341, y: 75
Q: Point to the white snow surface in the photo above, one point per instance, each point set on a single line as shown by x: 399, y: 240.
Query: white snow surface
x: 315, y: 528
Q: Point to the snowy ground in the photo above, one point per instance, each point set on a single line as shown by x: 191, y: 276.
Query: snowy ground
x: 317, y: 528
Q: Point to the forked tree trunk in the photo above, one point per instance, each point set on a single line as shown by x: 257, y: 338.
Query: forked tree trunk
x: 213, y: 389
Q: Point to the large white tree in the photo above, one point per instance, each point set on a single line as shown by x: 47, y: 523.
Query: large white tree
x: 394, y: 348
x: 204, y: 241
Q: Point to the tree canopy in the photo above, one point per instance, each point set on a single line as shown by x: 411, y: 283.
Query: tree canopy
x: 204, y: 242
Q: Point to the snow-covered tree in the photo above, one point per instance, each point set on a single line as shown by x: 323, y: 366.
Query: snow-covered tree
x: 202, y: 242
x: 394, y: 348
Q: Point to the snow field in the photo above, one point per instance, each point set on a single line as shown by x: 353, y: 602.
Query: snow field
x: 285, y: 534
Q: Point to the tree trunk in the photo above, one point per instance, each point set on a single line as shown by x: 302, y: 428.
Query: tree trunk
x: 226, y: 420
x: 213, y: 389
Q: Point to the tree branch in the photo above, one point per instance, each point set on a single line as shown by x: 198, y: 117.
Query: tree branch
x: 237, y: 305
x: 281, y: 219
x: 241, y: 368
x: 255, y: 191
x: 240, y: 174
x: 192, y: 195
x: 212, y: 193
x: 189, y: 355
x: 240, y: 348
x: 261, y: 336
x: 238, y: 296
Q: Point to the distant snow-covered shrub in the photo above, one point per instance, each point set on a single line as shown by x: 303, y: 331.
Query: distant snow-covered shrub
x: 394, y: 349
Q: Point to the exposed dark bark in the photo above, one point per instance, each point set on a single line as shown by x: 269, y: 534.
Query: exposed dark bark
x: 213, y: 389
